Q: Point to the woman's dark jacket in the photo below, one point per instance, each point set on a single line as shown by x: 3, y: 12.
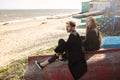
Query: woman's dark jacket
x: 92, y: 41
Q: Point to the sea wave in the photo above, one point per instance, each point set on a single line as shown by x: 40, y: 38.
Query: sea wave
x: 38, y: 17
x: 28, y: 19
x: 22, y: 20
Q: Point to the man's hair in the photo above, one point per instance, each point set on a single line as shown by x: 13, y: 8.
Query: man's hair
x: 72, y: 23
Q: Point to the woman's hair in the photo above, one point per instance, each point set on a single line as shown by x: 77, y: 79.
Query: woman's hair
x: 95, y: 27
x: 93, y: 21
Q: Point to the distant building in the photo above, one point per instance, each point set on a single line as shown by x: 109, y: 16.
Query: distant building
x: 96, y: 5
x: 85, y: 6
x: 108, y: 7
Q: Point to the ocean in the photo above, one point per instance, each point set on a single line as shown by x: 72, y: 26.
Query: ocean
x: 9, y: 16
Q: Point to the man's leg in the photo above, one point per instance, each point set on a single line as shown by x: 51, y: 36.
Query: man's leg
x: 58, y: 49
x: 41, y: 65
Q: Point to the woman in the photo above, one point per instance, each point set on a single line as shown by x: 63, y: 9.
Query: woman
x: 93, y: 37
x: 73, y: 49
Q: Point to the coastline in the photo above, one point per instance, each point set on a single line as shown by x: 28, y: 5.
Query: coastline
x: 23, y: 39
x: 38, y: 17
x: 21, y: 15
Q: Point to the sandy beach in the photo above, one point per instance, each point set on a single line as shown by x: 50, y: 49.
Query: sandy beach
x: 23, y: 39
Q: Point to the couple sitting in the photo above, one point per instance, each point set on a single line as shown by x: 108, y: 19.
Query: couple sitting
x: 72, y: 49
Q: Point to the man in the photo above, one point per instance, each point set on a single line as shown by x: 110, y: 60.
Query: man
x: 73, y: 49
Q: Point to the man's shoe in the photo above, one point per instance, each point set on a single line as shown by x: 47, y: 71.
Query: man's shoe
x: 38, y: 65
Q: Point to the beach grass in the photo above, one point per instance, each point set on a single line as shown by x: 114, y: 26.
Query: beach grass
x: 16, y: 70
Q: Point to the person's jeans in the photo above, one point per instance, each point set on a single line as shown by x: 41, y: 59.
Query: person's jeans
x: 59, y: 50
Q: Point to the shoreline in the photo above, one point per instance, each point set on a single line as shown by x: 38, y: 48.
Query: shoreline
x: 38, y: 17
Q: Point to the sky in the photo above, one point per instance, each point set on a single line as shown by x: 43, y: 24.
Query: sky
x: 41, y: 4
